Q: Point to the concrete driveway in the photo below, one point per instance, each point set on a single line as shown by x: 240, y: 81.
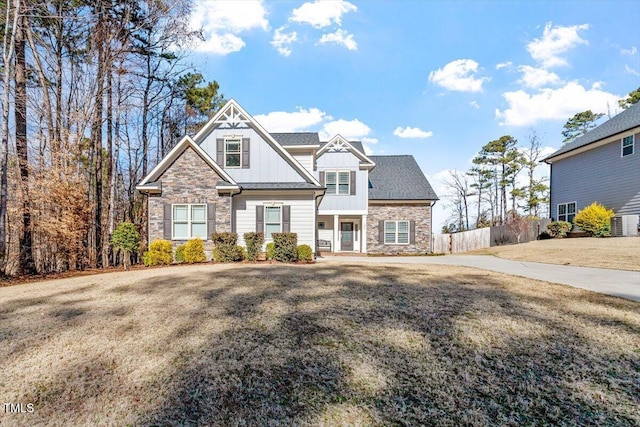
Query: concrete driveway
x: 619, y: 283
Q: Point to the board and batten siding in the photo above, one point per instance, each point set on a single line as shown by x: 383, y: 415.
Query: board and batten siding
x: 302, y: 211
x: 598, y: 175
x: 343, y: 161
x: 305, y: 159
x: 265, y: 163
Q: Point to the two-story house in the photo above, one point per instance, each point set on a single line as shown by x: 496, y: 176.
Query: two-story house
x: 235, y: 176
x: 601, y: 166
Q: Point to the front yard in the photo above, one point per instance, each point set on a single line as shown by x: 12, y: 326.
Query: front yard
x: 338, y: 344
x: 621, y: 253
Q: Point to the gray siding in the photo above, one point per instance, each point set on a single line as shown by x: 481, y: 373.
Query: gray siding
x: 344, y: 160
x: 598, y: 175
x: 266, y: 164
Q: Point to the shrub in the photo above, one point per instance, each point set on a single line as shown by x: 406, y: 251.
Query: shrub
x: 160, y: 253
x: 305, y: 253
x: 545, y: 235
x: 559, y: 229
x: 180, y: 254
x: 595, y: 219
x: 226, y: 253
x: 126, y: 238
x: 254, y: 243
x: 225, y: 238
x: 285, y: 246
x: 194, y: 251
x: 270, y: 250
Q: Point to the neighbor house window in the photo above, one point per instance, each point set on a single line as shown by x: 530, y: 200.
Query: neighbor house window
x: 567, y: 212
x: 337, y: 182
x: 189, y: 221
x: 396, y: 232
x: 627, y: 145
x: 232, y: 152
x: 272, y: 221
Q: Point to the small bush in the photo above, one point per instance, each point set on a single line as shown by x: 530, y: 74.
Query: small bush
x: 254, y: 243
x: 545, y: 235
x: 559, y: 229
x: 285, y: 246
x: 225, y: 238
x: 160, y: 253
x: 595, y: 219
x: 226, y: 253
x: 126, y: 238
x: 194, y: 251
x: 271, y: 250
x: 180, y: 254
x: 305, y: 253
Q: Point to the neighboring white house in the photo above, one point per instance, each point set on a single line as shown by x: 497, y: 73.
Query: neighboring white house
x: 235, y: 176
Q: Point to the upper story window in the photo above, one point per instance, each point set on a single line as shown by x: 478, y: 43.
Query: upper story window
x: 567, y: 212
x: 338, y: 182
x: 189, y: 221
x: 627, y: 145
x: 232, y: 152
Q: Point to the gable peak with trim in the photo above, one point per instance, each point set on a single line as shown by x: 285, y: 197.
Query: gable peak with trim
x: 340, y: 144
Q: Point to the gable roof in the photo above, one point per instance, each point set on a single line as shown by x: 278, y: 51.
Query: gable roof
x: 176, y: 152
x: 355, y: 147
x: 398, y: 178
x: 292, y: 139
x: 233, y: 115
x: 626, y: 120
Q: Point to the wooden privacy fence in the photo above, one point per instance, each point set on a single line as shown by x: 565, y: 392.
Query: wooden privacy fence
x: 479, y: 238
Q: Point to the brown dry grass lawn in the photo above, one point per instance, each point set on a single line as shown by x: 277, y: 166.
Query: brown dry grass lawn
x: 621, y: 253
x: 324, y: 344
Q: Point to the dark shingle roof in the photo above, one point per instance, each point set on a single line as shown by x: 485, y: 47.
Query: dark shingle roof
x: 398, y: 178
x: 626, y: 120
x: 279, y: 186
x: 297, y: 138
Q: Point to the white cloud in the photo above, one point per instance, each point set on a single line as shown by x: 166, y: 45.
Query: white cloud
x: 554, y: 42
x: 536, y: 77
x: 350, y: 129
x: 410, y: 132
x: 458, y: 75
x: 222, y: 21
x: 282, y: 121
x: 501, y: 65
x: 631, y: 70
x: 554, y: 104
x: 474, y: 104
x: 282, y: 41
x: 629, y: 52
x: 340, y: 37
x: 320, y: 14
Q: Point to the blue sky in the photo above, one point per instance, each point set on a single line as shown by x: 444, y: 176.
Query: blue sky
x: 433, y: 79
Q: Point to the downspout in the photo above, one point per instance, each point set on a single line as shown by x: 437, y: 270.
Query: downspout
x: 431, y: 226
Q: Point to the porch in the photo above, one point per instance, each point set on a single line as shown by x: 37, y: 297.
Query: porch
x: 342, y: 234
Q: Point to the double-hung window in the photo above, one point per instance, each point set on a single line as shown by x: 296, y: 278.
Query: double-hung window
x: 396, y: 232
x: 338, y: 182
x: 189, y: 221
x: 272, y: 221
x: 232, y: 152
x: 567, y: 212
x: 627, y: 145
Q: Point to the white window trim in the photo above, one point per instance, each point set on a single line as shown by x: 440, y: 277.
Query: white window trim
x: 396, y: 233
x: 233, y: 139
x: 633, y: 145
x: 566, y: 210
x: 268, y: 238
x: 337, y: 184
x: 189, y: 221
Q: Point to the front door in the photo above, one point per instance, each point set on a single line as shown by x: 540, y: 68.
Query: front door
x: 346, y: 236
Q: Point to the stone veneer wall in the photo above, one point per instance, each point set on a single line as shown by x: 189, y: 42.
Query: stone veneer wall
x: 188, y: 180
x: 421, y: 214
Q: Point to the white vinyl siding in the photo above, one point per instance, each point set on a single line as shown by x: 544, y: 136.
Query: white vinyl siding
x: 342, y: 203
x: 302, y: 215
x: 567, y: 212
x: 396, y: 232
x: 627, y: 145
x: 189, y: 221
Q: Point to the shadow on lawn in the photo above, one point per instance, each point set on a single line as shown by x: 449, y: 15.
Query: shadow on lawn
x: 348, y: 344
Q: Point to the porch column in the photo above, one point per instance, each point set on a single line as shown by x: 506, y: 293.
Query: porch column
x: 336, y: 234
x: 363, y: 234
